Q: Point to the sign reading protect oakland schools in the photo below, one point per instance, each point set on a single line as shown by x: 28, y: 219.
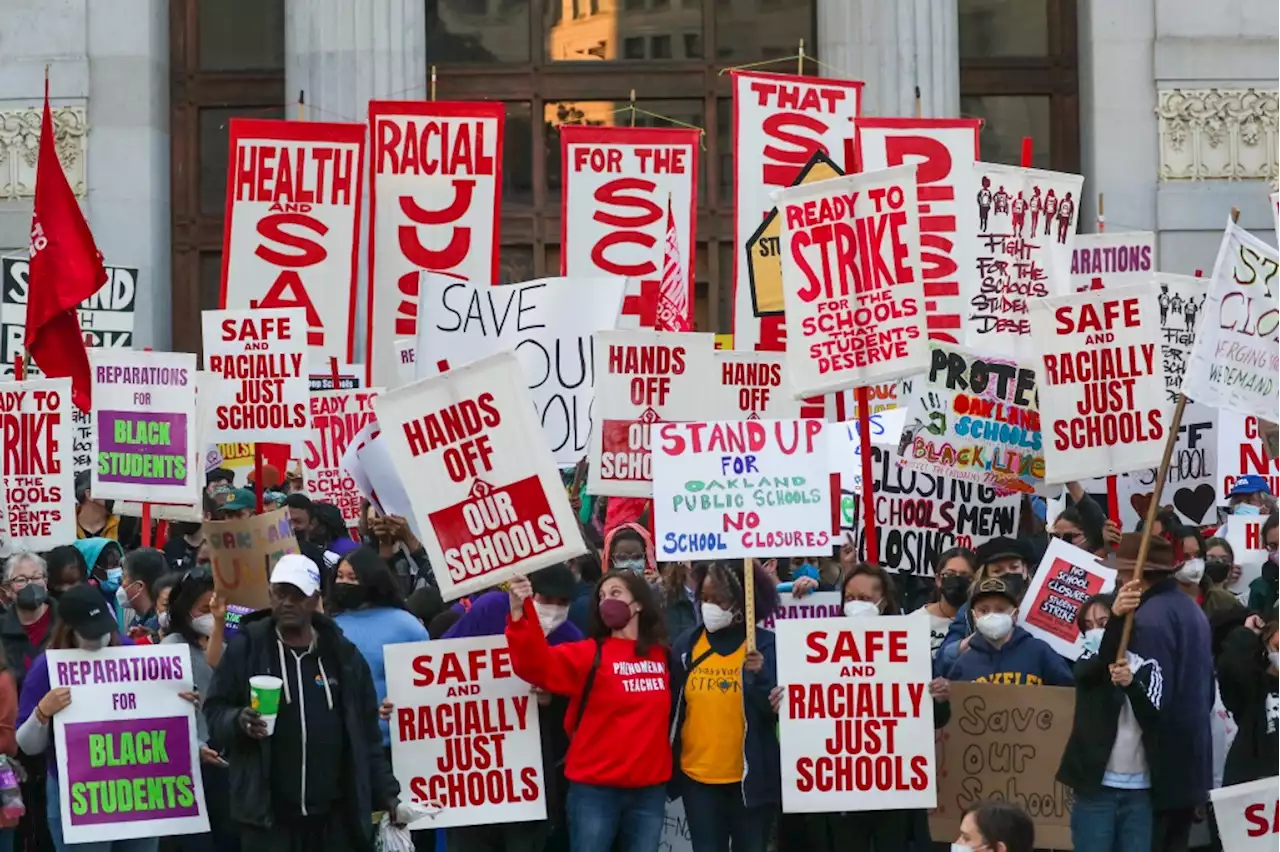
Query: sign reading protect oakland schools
x: 260, y: 357
x: 479, y: 473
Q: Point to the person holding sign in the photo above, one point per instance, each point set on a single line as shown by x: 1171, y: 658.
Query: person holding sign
x: 1247, y: 678
x: 1001, y: 651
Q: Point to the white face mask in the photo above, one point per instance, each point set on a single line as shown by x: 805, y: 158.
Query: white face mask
x: 1093, y: 639
x: 203, y: 624
x: 1191, y: 571
x: 716, y: 617
x: 93, y: 644
x: 163, y: 620
x: 1275, y: 659
x: 995, y: 625
x: 861, y: 609
x: 550, y: 616
x: 958, y: 847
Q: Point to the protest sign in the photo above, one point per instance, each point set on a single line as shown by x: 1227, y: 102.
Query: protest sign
x: 434, y: 204
x: 1241, y: 451
x: 145, y: 445
x: 1023, y: 252
x: 1104, y: 261
x: 336, y: 418
x: 779, y: 122
x: 1181, y: 303
x: 243, y: 551
x: 370, y: 464
x: 1248, y: 815
x: 1244, y: 534
x: 944, y: 151
x: 843, y: 406
x: 1190, y: 481
x: 549, y: 324
x: 349, y: 376
x: 733, y: 489
x: 190, y: 507
x: 292, y: 229
x: 642, y: 378
x: 1066, y: 578
x: 626, y: 190
x: 753, y: 386
x: 261, y: 358
x: 1104, y: 409
x: 844, y: 447
x: 128, y: 760
x: 1004, y: 743
x: 856, y: 720
x: 812, y: 605
x: 852, y: 280
x: 39, y: 484
x: 675, y: 829
x: 976, y: 418
x: 478, y: 472
x: 406, y: 360
x: 442, y: 755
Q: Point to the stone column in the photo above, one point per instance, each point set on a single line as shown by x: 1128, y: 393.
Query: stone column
x: 894, y: 46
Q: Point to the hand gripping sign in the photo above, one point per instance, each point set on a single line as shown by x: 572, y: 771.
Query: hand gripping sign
x: 1066, y: 578
x: 260, y: 358
x: 435, y: 201
x: 292, y: 230
x: 478, y: 470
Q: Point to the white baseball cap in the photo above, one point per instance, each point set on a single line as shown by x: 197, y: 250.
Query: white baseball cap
x: 297, y: 570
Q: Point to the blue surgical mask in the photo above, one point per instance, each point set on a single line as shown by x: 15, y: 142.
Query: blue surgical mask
x: 1246, y: 509
x: 1093, y: 640
x: 636, y: 565
x: 114, y: 576
x: 805, y: 569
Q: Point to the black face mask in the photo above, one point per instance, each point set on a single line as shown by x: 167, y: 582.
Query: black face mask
x: 1270, y: 571
x: 1217, y: 570
x: 347, y: 595
x: 955, y: 589
x: 31, y: 597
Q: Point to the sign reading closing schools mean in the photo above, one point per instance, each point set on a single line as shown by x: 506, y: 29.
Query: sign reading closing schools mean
x: 336, y: 418
x: 1104, y: 261
x: 733, y: 489
x: 1104, y: 406
x: 477, y: 469
x: 260, y: 356
x: 128, y: 761
x: 443, y: 757
x: 1248, y: 815
x: 856, y: 720
x: 39, y: 483
x: 1066, y: 578
x: 752, y: 386
x: 852, y: 281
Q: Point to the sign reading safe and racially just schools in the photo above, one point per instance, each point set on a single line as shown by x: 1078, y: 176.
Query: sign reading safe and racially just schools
x: 733, y: 489
x: 1104, y: 261
x: 476, y: 772
x: 478, y: 471
x: 1248, y: 815
x: 39, y: 483
x: 1066, y: 578
x: 260, y: 356
x: 244, y: 551
x: 336, y: 418
x: 128, y: 761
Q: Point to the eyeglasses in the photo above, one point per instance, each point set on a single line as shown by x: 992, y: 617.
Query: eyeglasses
x: 19, y: 583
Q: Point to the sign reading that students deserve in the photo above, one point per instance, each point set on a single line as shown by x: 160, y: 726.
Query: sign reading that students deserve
x: 1248, y: 815
x: 1066, y: 578
x: 435, y: 201
x: 753, y: 386
x: 39, y: 510
x: 261, y: 358
x: 1104, y: 261
x: 852, y: 281
x: 336, y: 418
x: 128, y: 760
x: 1098, y: 361
x: 444, y: 757
x: 856, y: 720
x: 145, y: 441
x: 477, y: 469
x: 291, y: 238
x: 243, y: 551
x: 739, y: 488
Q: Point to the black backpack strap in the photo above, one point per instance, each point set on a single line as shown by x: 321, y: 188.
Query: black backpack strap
x: 586, y: 688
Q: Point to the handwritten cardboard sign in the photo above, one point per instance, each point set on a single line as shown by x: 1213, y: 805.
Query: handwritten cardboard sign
x: 244, y: 551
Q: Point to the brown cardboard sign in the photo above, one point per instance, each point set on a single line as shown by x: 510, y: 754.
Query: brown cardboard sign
x: 244, y: 552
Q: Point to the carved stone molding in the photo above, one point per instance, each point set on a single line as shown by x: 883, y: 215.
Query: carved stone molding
x: 20, y: 146
x: 1218, y: 134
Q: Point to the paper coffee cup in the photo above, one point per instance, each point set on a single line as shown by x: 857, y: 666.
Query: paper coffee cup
x: 264, y: 696
x: 271, y: 723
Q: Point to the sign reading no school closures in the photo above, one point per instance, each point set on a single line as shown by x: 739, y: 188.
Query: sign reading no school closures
x: 613, y: 216
x: 465, y: 735
x: 852, y: 281
x: 477, y: 469
x: 1066, y: 578
x: 261, y: 358
x: 548, y: 322
x: 291, y: 238
x: 145, y: 443
x: 1099, y: 363
x: 1103, y: 261
x: 434, y: 205
x: 336, y: 418
x: 643, y: 378
x: 128, y: 763
x: 741, y: 488
x: 1241, y: 450
x: 39, y: 484
x: 856, y: 721
x: 753, y: 386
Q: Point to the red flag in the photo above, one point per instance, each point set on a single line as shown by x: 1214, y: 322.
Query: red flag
x: 66, y: 268
x: 675, y: 311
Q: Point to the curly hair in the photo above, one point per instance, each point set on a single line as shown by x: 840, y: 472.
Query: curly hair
x: 651, y: 622
x: 728, y: 575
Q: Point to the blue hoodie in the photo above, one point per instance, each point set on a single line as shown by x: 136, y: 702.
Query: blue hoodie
x: 488, y: 617
x: 1023, y: 659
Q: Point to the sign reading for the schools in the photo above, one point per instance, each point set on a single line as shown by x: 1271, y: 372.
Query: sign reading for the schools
x: 445, y: 758
x: 260, y: 356
x: 733, y: 489
x: 336, y: 418
x: 478, y: 471
x: 128, y: 761
x: 856, y: 720
x: 243, y: 552
x: 852, y: 280
x: 1066, y: 578
x: 145, y: 441
x: 752, y: 386
x: 39, y: 484
x: 1248, y: 815
x: 1104, y: 261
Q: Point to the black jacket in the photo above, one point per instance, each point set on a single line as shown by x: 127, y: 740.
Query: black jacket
x: 369, y: 783
x: 1250, y: 692
x: 18, y: 650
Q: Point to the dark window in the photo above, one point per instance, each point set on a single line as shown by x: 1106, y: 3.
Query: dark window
x: 692, y: 46
x: 240, y: 35
x: 660, y: 47
x: 480, y: 32
x: 633, y: 48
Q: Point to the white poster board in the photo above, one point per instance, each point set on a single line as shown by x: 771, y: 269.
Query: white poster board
x: 812, y: 605
x: 1066, y: 578
x: 39, y: 482
x: 752, y: 386
x: 260, y: 357
x: 1114, y: 259
x: 1241, y: 451
x: 1248, y: 815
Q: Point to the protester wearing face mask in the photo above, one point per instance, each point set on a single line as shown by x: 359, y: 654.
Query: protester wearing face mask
x: 1248, y: 495
x: 628, y: 547
x: 143, y: 568
x: 103, y: 557
x: 1264, y: 590
x: 1189, y: 574
x: 1220, y: 568
x: 164, y: 586
x: 724, y: 722
x: 996, y: 558
x: 619, y: 692
x: 1247, y: 678
x: 956, y: 568
x: 1000, y: 650
x: 997, y: 827
x: 24, y: 627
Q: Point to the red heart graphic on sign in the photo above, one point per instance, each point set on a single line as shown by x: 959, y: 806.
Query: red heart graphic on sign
x: 1140, y: 503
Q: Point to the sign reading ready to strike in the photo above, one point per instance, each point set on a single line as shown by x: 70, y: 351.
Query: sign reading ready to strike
x: 261, y: 358
x: 39, y: 484
x: 336, y: 418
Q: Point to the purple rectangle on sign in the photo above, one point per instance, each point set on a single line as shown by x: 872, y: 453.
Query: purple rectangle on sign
x: 144, y: 448
x: 130, y: 770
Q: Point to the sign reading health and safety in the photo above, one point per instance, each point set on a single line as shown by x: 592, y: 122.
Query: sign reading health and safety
x: 128, y: 761
x: 39, y: 508
x: 336, y: 419
x: 478, y: 471
x: 260, y: 358
x: 145, y: 445
x: 732, y: 489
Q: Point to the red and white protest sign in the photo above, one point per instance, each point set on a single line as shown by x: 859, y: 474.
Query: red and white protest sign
x: 779, y: 122
x: 1248, y: 815
x: 753, y: 386
x: 618, y: 182
x: 291, y: 238
x: 260, y: 360
x: 1104, y: 261
x: 435, y: 201
x: 852, y: 281
x: 856, y: 720
x: 943, y: 151
x: 465, y: 739
x: 643, y: 378
x: 1066, y: 578
x: 1241, y: 451
x: 1103, y: 409
x: 39, y: 510
x: 336, y: 419
x: 477, y: 469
